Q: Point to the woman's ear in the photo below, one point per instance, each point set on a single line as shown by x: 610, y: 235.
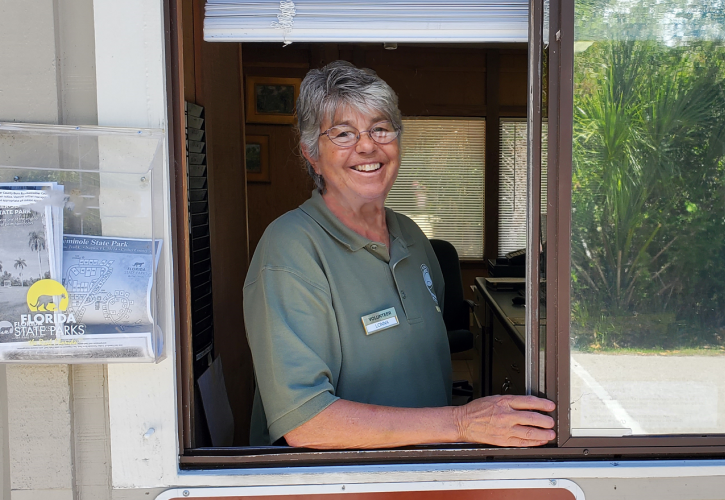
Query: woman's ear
x: 309, y: 158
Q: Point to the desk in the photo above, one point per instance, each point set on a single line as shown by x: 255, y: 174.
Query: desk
x: 501, y: 336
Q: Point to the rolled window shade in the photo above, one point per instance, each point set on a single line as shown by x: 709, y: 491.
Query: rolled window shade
x: 440, y: 182
x: 366, y: 21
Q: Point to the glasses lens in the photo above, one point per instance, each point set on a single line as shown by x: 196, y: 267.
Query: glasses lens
x: 343, y: 135
x: 383, y: 132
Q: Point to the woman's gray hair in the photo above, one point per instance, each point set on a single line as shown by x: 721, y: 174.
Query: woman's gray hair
x: 325, y: 90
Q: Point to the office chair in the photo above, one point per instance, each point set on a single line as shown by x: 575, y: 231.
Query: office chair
x: 456, y: 309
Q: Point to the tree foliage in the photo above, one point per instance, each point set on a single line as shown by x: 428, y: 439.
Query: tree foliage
x: 648, y: 221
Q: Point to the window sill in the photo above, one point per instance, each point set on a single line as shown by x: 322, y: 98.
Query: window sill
x: 249, y: 457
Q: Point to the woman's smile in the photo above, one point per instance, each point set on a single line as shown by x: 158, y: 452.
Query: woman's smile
x: 368, y: 167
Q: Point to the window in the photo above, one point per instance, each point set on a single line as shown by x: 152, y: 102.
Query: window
x: 512, y: 184
x: 647, y: 288
x: 440, y: 184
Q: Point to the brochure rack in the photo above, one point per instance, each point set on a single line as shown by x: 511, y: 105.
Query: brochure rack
x: 81, y: 232
x: 202, y: 310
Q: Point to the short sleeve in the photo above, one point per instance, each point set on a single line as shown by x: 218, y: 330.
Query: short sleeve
x: 295, y: 344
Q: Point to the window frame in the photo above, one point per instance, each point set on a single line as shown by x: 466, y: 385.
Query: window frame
x: 557, y: 374
x: 558, y: 356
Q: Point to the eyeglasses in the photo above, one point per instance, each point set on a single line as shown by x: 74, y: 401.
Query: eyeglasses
x: 347, y: 136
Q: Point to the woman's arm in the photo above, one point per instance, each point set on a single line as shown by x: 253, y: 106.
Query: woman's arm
x: 496, y: 420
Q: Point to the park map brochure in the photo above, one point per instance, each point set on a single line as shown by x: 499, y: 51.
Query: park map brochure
x: 110, y: 283
x: 70, y: 298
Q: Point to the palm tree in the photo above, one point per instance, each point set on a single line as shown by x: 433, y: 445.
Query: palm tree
x: 20, y: 264
x: 36, y: 242
x: 641, y: 112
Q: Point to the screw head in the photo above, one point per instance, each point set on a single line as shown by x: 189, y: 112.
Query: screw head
x: 186, y: 493
x: 586, y: 452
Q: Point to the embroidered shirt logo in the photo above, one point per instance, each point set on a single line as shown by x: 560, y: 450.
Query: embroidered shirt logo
x: 428, y: 282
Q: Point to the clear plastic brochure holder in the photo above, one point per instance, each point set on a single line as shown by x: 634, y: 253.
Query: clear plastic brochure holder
x: 81, y: 233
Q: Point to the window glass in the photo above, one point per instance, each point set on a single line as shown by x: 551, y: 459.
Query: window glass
x: 440, y: 184
x: 512, y: 183
x: 648, y: 218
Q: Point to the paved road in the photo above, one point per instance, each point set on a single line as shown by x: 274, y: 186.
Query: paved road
x: 616, y: 394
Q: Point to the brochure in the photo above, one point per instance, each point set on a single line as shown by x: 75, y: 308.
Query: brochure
x: 30, y: 215
x: 109, y: 281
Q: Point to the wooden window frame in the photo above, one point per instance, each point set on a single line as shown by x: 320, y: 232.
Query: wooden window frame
x: 557, y: 374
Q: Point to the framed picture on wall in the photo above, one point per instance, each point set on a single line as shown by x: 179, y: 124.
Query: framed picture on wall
x: 257, y: 158
x: 271, y: 100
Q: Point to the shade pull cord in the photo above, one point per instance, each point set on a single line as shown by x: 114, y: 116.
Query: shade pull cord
x: 285, y: 18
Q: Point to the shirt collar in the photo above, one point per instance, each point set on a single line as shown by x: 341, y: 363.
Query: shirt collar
x: 316, y: 208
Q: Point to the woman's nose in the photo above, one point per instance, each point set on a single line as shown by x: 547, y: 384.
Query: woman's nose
x: 366, y: 144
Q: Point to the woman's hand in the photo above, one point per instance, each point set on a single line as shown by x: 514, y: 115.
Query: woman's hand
x: 506, y: 421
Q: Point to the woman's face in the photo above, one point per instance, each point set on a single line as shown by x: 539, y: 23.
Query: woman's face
x: 361, y: 173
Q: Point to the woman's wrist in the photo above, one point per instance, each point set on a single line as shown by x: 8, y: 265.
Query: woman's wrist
x: 459, y: 416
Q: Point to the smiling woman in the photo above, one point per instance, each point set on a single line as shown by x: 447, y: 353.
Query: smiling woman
x: 342, y: 259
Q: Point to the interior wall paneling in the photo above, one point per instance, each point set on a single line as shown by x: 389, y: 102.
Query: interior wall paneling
x: 289, y: 184
x: 197, y: 14
x: 322, y: 54
x: 221, y: 92
x: 513, y: 87
x: 242, y: 114
x: 186, y: 28
x: 434, y: 81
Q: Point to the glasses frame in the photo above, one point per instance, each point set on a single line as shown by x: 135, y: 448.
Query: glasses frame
x: 359, y: 134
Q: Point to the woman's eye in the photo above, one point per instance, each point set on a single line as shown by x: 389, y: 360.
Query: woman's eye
x: 341, y: 134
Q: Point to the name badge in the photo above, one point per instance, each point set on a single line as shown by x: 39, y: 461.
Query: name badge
x: 381, y: 320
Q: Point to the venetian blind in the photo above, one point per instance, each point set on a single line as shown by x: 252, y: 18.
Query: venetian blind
x: 366, y: 21
x: 512, y: 184
x: 440, y: 183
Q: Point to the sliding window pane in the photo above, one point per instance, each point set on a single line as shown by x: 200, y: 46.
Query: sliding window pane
x: 648, y: 218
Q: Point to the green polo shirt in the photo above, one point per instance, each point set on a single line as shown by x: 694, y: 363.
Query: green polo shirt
x: 311, y: 282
